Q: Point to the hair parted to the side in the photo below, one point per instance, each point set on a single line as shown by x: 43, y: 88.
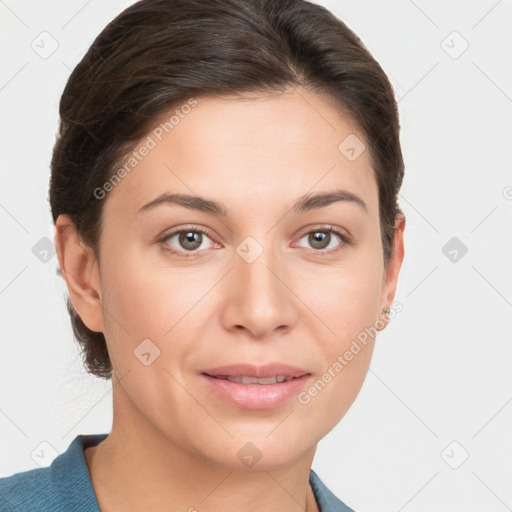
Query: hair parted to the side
x: 159, y: 53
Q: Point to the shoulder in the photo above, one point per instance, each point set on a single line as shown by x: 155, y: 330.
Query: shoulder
x: 327, y: 501
x: 63, y: 486
x: 24, y: 491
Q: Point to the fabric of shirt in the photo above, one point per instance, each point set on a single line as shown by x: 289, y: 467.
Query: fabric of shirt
x: 65, y: 485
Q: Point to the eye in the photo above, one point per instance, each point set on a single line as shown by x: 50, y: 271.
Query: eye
x: 188, y: 240
x: 322, y: 238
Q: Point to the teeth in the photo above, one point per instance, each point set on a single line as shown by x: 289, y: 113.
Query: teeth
x: 255, y: 380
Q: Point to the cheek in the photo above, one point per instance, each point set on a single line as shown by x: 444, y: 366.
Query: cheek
x: 148, y: 300
x: 346, y: 337
x: 332, y: 393
x: 145, y: 295
x: 345, y: 299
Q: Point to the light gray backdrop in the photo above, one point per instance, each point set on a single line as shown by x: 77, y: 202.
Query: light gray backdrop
x: 431, y: 427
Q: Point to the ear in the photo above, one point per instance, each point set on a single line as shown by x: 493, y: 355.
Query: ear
x: 80, y: 270
x: 390, y: 277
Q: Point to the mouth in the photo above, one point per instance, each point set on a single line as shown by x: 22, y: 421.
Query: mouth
x: 248, y: 379
x: 255, y: 387
x: 270, y: 370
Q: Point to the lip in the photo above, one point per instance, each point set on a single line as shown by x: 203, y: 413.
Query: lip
x: 255, y: 396
x: 268, y: 370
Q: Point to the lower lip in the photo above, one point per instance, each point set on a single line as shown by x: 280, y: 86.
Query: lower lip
x: 256, y: 396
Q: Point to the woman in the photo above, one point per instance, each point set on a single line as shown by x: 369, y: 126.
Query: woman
x: 224, y: 192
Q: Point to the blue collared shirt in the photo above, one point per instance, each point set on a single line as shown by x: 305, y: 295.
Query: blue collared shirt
x: 65, y: 485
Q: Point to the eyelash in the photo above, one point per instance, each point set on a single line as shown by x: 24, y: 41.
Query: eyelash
x: 197, y: 229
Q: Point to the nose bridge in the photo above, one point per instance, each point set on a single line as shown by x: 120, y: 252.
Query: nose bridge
x: 253, y: 264
x: 261, y: 302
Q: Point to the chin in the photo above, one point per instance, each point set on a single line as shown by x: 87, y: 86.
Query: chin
x: 260, y: 451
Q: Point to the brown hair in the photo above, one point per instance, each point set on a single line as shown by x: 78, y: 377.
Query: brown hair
x: 159, y: 53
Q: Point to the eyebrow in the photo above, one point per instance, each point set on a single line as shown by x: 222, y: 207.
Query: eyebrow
x: 304, y: 204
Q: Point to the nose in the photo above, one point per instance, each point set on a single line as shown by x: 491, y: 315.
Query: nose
x: 258, y: 297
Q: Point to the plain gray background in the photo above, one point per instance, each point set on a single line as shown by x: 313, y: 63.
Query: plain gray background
x: 431, y: 427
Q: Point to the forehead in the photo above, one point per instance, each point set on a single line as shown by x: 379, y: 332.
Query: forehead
x: 249, y: 152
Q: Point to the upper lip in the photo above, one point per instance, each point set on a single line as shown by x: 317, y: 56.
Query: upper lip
x: 268, y: 370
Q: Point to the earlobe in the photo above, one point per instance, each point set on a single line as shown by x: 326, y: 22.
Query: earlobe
x: 80, y: 271
x: 392, y: 271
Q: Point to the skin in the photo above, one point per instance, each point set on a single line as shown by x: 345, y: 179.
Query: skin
x: 173, y: 444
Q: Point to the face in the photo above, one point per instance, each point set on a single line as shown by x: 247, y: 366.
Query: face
x: 278, y: 278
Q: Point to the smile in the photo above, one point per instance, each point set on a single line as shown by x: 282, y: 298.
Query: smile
x: 253, y: 380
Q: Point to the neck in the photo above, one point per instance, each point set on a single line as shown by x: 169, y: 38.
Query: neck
x: 138, y: 468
